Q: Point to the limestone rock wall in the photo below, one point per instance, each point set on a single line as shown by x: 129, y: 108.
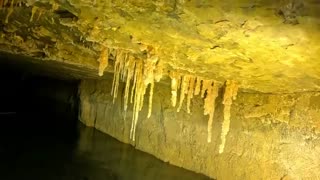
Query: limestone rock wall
x: 272, y: 136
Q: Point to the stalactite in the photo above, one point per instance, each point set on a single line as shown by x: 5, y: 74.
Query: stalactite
x: 41, y: 11
x: 148, y: 70
x: 150, y: 99
x: 134, y: 85
x: 142, y: 91
x: 174, y: 91
x: 183, y: 91
x: 130, y: 72
x: 179, y: 79
x: 207, y: 90
x: 158, y: 73
x: 126, y: 67
x: 209, y: 105
x: 198, y: 86
x: 174, y: 87
x: 33, y: 12
x: 205, y: 85
x: 134, y: 94
x: 103, y: 60
x: 138, y: 97
x: 190, y: 92
x: 123, y: 58
x: 225, y: 127
x: 10, y: 11
x: 118, y: 71
x: 229, y: 95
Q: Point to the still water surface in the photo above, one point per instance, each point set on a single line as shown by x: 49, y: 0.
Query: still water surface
x: 93, y: 156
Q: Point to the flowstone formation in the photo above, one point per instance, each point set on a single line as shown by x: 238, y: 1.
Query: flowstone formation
x: 141, y: 74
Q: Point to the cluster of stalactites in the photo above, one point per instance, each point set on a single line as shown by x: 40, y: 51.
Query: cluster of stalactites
x: 189, y: 86
x: 186, y: 84
x: 138, y: 75
x: 230, y: 94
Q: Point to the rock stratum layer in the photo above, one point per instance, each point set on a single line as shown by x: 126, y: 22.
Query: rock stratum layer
x: 273, y: 136
x: 264, y: 45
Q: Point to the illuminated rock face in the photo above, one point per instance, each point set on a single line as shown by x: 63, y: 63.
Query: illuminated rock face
x: 270, y: 136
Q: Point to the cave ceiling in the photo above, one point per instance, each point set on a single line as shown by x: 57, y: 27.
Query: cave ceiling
x: 268, y: 46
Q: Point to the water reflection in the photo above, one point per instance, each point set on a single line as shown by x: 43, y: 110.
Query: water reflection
x: 106, y: 157
x: 94, y: 156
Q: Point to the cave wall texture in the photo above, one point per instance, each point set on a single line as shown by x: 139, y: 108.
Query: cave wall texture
x: 272, y: 136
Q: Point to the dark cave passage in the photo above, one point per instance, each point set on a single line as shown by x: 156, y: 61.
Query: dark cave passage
x: 40, y: 137
x: 36, y: 105
x: 39, y: 126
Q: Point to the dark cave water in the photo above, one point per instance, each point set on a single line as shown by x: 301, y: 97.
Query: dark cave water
x: 42, y: 139
x: 94, y: 156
